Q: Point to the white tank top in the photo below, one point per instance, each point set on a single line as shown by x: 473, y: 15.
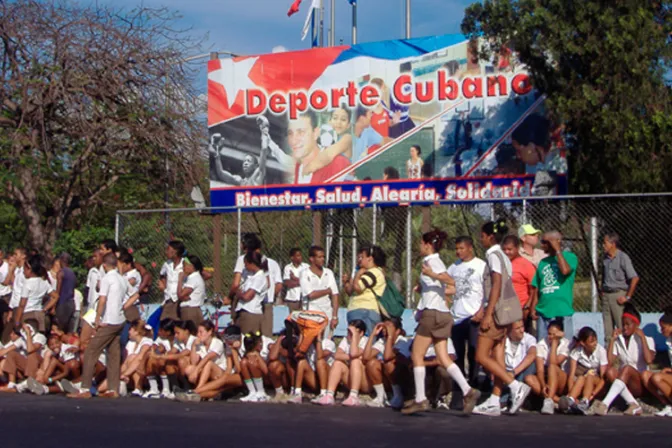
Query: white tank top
x: 414, y: 169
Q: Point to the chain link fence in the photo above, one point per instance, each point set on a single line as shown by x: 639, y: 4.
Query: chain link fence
x: 643, y: 223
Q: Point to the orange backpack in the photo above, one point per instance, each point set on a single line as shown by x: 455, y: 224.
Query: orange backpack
x: 310, y: 324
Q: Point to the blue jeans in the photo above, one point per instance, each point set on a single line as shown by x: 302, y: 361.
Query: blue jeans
x: 542, y: 326
x: 369, y: 317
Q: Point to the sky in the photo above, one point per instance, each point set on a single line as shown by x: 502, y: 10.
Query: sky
x: 258, y: 26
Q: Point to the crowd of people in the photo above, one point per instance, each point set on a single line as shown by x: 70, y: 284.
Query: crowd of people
x: 500, y: 325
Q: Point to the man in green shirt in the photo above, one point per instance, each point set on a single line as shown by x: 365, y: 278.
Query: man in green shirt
x: 553, y: 286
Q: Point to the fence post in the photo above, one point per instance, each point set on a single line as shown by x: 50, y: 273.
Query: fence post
x: 240, y: 236
x: 409, y: 244
x: 340, y: 255
x: 217, y: 255
x: 375, y: 210
x: 524, y: 211
x: 116, y: 228
x: 330, y: 236
x: 594, y: 260
x: 354, y: 238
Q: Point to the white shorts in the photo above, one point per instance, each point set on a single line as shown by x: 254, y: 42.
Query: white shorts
x: 326, y: 309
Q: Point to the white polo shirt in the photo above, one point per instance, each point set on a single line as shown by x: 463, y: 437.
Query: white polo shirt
x: 632, y: 354
x: 197, y: 284
x: 172, y: 272
x: 134, y: 275
x: 543, y: 350
x: 65, y: 354
x: 4, y: 272
x: 433, y: 292
x: 113, y: 287
x: 182, y: 346
x: 34, y: 290
x: 494, y: 263
x: 259, y: 283
x: 345, y: 344
x: 17, y: 288
x: 593, y: 361
x: 311, y: 282
x: 92, y: 280
x: 469, y: 286
x: 515, y: 352
x: 21, y: 344
x: 216, y: 347
x: 274, y: 275
x: 327, y: 346
x: 134, y: 348
x: 293, y: 294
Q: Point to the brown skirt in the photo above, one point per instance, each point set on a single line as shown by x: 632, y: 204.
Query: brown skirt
x: 132, y: 314
x: 192, y: 313
x: 435, y: 324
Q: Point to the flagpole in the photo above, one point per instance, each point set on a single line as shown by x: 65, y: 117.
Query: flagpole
x: 354, y: 23
x: 321, y: 23
x: 313, y: 33
x: 332, y: 31
x: 408, y: 19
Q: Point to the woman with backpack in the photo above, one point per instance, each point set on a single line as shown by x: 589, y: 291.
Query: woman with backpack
x: 367, y: 284
x: 435, y: 323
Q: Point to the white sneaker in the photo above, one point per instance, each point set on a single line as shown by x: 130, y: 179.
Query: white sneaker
x: 152, y: 394
x: 168, y: 396
x: 35, y: 387
x: 249, y: 398
x: 317, y: 399
x: 665, y: 412
x: 123, y: 389
x: 68, y: 387
x: 519, y: 398
x: 22, y: 388
x: 262, y: 397
x: 548, y: 407
x: 376, y: 403
x: 489, y: 409
x: 137, y: 393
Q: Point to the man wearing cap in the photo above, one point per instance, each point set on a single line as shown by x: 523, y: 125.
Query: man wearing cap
x: 529, y: 238
x: 619, y: 281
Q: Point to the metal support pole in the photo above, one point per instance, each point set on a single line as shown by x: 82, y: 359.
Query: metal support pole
x: 409, y: 244
x: 116, y: 228
x: 321, y: 24
x: 408, y: 19
x: 332, y: 26
x: 217, y: 254
x: 354, y: 238
x: 340, y: 256
x: 594, y: 258
x: 354, y: 23
x: 330, y: 236
x: 375, y: 223
x: 524, y: 211
x: 240, y: 236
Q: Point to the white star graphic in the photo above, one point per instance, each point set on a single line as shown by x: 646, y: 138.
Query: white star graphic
x: 234, y: 76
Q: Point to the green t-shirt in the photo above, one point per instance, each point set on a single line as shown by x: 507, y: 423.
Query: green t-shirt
x: 556, y: 291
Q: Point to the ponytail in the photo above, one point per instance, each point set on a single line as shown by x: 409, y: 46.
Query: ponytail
x: 436, y: 238
x: 498, y: 229
x: 257, y: 259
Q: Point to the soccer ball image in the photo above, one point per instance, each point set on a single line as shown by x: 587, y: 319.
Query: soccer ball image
x: 327, y: 136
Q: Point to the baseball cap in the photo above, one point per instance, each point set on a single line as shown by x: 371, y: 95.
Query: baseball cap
x: 527, y: 229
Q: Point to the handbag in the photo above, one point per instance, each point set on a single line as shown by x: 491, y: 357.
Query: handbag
x: 507, y: 308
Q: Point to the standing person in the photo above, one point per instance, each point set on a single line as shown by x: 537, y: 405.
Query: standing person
x: 132, y: 276
x: 67, y: 282
x: 434, y: 325
x: 523, y: 273
x: 491, y: 334
x: 109, y: 324
x: 170, y: 273
x: 252, y: 294
x: 553, y: 293
x: 92, y: 286
x: 5, y: 296
x: 15, y: 278
x: 249, y: 243
x: 191, y: 290
x: 529, y: 238
x: 415, y: 163
x: 291, y: 277
x: 35, y: 288
x: 619, y: 281
x: 367, y: 282
x: 467, y: 308
x: 319, y: 289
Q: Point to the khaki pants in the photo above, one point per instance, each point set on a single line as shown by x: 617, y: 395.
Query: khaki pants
x: 293, y: 306
x: 170, y: 311
x: 267, y: 323
x: 38, y: 316
x: 191, y: 313
x: 132, y: 314
x: 612, y: 313
x: 248, y: 322
x: 15, y: 363
x: 106, y: 337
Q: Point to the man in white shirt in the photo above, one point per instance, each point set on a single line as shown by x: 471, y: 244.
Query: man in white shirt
x: 319, y: 288
x: 16, y: 279
x: 274, y: 289
x: 109, y: 325
x: 5, y: 292
x: 170, y: 274
x: 467, y: 306
x: 291, y: 278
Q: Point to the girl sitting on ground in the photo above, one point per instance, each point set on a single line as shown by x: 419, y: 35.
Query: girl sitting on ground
x: 137, y: 353
x: 161, y: 367
x: 552, y: 354
x: 662, y: 381
x: 211, y: 363
x: 60, y: 362
x: 254, y: 369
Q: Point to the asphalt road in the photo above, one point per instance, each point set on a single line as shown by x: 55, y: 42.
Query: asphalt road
x: 31, y: 421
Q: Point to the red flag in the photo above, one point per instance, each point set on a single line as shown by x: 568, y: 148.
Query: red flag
x: 294, y: 8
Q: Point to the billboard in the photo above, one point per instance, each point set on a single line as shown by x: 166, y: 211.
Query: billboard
x: 413, y: 121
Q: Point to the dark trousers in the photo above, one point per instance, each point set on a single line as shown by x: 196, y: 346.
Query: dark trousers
x: 464, y: 335
x: 65, y: 313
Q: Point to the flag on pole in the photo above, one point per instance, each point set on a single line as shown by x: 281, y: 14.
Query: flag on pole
x: 353, y: 2
x: 294, y: 8
x: 309, y: 18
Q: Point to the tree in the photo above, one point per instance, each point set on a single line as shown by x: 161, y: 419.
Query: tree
x: 94, y: 101
x: 602, y: 65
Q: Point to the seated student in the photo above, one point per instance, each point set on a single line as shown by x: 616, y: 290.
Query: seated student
x: 312, y: 370
x: 636, y: 352
x: 254, y: 367
x: 662, y: 381
x: 22, y: 356
x: 588, y: 364
x: 137, y: 353
x: 552, y: 354
x: 178, y: 358
x: 65, y: 338
x: 211, y: 363
x: 161, y: 367
x: 61, y: 361
x: 277, y: 368
x: 517, y: 354
x: 348, y: 368
x: 381, y: 367
x: 230, y: 377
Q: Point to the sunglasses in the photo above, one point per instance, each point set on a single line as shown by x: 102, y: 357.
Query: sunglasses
x: 545, y: 242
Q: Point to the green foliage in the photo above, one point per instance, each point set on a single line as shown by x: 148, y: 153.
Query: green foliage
x: 602, y: 66
x: 80, y: 244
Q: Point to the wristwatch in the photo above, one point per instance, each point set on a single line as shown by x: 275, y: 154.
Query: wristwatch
x: 627, y: 298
